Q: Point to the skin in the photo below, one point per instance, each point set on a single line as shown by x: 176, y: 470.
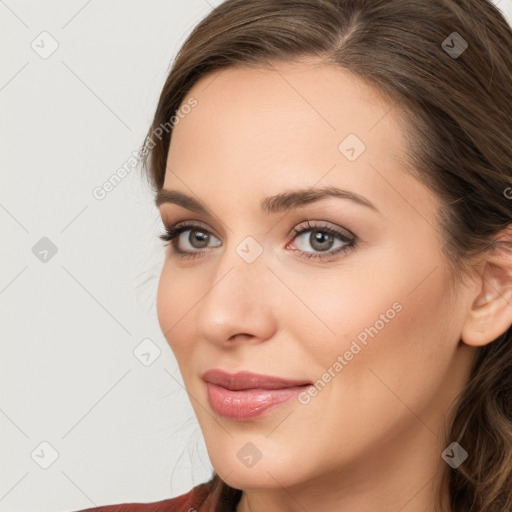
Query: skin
x: 372, y: 438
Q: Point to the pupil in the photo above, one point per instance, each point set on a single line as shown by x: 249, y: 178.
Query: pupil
x: 318, y: 237
x: 198, y: 236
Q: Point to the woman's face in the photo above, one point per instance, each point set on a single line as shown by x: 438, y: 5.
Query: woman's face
x: 370, y: 317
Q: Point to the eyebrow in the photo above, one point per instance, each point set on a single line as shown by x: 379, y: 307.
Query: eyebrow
x: 280, y: 202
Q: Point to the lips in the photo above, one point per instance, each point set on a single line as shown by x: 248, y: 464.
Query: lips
x: 247, y: 380
x: 245, y: 396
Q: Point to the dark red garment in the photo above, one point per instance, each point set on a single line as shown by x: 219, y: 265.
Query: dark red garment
x: 212, y: 496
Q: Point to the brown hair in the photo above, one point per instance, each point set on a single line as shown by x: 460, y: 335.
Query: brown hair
x: 460, y: 144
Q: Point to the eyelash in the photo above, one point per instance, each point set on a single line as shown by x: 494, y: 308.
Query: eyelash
x: 171, y: 234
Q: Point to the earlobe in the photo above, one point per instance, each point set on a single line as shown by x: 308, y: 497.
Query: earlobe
x: 490, y: 314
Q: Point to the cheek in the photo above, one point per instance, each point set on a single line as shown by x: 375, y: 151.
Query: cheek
x: 400, y: 368
x: 345, y: 311
x: 390, y: 318
x: 175, y: 298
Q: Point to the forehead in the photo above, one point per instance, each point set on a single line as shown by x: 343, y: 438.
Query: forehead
x: 305, y: 104
x: 258, y: 129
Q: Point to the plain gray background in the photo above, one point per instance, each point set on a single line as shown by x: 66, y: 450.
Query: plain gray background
x: 92, y: 410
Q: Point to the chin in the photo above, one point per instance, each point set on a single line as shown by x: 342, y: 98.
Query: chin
x: 251, y: 479
x: 275, y: 472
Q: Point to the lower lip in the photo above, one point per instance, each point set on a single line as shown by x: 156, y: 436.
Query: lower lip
x: 247, y: 404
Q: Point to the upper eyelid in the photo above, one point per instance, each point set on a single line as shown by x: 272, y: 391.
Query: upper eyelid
x: 304, y: 226
x: 189, y: 224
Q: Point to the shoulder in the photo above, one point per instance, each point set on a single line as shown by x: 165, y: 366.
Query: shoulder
x: 188, y: 502
x: 212, y: 496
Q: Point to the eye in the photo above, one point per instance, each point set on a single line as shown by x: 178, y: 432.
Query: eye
x: 321, y: 239
x: 198, y: 238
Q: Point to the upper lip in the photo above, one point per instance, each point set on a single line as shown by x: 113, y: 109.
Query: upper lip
x: 248, y: 380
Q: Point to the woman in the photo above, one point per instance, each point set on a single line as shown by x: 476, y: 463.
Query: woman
x: 338, y: 280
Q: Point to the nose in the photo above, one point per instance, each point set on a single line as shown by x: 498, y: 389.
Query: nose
x: 239, y: 302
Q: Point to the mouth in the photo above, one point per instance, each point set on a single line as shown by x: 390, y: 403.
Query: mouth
x: 248, y: 380
x: 244, y: 396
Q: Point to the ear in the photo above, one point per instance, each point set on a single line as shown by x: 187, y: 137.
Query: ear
x: 491, y: 310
